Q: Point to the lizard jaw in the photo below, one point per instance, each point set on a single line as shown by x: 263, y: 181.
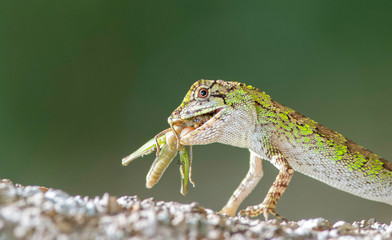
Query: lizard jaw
x: 197, y: 124
x: 200, y: 120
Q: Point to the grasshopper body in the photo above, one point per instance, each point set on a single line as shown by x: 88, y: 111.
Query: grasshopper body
x: 167, y: 147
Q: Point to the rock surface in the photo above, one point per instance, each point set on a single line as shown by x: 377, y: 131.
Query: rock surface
x: 34, y: 212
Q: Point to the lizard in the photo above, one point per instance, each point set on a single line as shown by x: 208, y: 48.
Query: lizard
x: 240, y: 115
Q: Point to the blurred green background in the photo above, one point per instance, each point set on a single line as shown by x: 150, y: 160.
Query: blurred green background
x: 85, y: 83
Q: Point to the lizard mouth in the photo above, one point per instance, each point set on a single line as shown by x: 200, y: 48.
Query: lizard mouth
x: 202, y: 119
x: 191, y: 125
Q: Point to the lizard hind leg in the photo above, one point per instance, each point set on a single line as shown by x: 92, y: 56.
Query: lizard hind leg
x: 275, y: 192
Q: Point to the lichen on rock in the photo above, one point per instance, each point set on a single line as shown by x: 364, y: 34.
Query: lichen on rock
x: 34, y: 212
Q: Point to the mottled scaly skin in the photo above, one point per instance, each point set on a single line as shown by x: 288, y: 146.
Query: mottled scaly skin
x: 243, y: 116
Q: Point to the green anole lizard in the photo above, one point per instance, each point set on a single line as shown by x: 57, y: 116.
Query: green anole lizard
x: 240, y: 115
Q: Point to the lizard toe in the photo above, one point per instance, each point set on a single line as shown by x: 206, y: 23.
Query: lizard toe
x: 254, y: 211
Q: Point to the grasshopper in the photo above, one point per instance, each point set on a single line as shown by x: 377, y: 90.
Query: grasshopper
x: 167, y: 145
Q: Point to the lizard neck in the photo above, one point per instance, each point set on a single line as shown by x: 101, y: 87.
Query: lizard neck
x: 241, y: 128
x: 250, y: 120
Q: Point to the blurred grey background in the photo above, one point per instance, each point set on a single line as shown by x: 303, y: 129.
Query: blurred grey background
x: 85, y: 83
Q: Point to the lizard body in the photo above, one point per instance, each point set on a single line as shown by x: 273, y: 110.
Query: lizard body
x: 240, y: 115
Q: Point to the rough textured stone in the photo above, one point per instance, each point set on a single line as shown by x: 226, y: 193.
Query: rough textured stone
x: 35, y: 212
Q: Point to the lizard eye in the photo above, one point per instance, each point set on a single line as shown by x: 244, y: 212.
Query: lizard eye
x: 203, y: 93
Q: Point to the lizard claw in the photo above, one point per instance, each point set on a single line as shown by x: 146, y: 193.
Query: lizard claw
x: 223, y: 214
x: 254, y: 211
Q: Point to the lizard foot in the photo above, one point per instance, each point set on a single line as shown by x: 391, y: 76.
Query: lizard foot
x: 226, y: 211
x: 254, y: 211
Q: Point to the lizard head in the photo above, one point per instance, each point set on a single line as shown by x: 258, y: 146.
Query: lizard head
x: 215, y: 111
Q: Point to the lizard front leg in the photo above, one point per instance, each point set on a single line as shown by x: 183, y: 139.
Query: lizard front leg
x: 255, y: 173
x: 277, y: 189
